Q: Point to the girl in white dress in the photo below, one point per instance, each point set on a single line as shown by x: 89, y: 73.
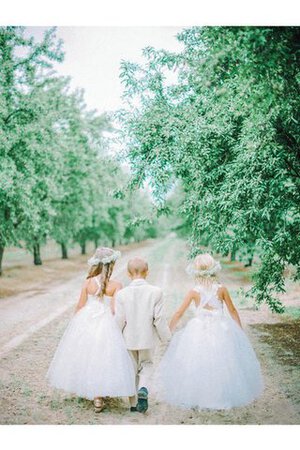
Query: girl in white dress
x: 210, y: 363
x: 91, y: 360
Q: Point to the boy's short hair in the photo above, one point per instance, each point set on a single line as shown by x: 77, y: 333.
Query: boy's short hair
x: 137, y: 266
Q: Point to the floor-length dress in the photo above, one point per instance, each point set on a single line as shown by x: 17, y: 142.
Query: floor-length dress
x: 210, y: 363
x: 91, y: 359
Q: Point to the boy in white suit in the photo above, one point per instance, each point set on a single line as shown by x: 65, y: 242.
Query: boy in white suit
x: 139, y: 313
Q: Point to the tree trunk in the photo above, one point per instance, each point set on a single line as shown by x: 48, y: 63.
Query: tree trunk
x: 250, y: 261
x: 37, y: 254
x: 1, y: 257
x: 64, y: 251
x: 113, y: 243
x: 83, y: 248
x: 233, y: 254
x: 96, y: 243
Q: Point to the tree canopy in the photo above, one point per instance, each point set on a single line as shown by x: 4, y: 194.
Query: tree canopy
x: 58, y: 176
x: 221, y: 117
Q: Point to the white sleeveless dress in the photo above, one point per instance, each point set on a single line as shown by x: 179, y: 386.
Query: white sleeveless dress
x: 210, y: 363
x: 91, y: 359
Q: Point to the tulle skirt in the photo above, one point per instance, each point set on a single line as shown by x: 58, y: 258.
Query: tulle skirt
x: 209, y: 364
x: 91, y: 359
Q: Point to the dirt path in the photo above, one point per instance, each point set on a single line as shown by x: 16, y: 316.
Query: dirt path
x: 23, y: 315
x: 32, y: 326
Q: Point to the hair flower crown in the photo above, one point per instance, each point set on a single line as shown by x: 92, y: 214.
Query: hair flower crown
x: 95, y: 260
x: 193, y: 271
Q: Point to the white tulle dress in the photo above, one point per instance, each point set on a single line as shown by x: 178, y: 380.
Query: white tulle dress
x: 210, y: 363
x: 91, y: 359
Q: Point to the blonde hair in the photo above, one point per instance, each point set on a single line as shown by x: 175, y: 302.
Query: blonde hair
x: 103, y: 268
x: 204, y: 268
x: 137, y: 266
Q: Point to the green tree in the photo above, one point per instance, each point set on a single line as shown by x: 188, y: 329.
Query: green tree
x: 22, y: 62
x: 58, y: 176
x: 228, y: 128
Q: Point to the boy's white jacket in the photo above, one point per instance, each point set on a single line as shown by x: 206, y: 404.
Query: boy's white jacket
x: 140, y: 315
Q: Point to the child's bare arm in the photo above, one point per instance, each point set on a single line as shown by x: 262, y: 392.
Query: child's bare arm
x: 231, y: 308
x: 118, y: 287
x: 83, y: 297
x: 181, y: 310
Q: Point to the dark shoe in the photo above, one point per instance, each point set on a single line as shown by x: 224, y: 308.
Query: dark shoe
x: 133, y: 409
x: 142, y: 404
x: 98, y: 404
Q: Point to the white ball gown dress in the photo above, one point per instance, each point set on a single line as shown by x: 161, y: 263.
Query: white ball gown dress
x: 210, y: 363
x: 91, y: 359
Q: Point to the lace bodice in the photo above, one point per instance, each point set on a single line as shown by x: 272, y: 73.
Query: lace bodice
x: 209, y: 297
x: 94, y: 297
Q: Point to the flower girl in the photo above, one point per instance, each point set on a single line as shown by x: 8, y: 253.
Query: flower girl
x: 91, y: 360
x: 210, y: 363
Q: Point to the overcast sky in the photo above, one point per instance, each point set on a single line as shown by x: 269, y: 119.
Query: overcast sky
x: 93, y: 56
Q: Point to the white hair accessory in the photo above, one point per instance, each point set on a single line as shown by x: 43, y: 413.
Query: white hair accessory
x: 191, y: 270
x: 95, y: 260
